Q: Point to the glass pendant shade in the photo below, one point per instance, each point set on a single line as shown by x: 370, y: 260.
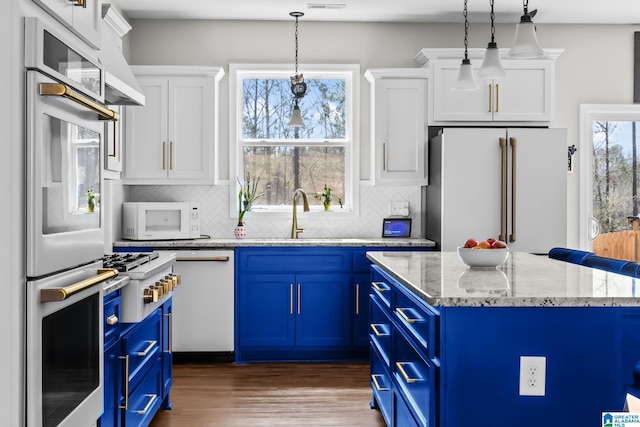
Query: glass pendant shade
x: 466, y: 79
x: 525, y: 45
x: 492, y: 66
x: 296, y: 117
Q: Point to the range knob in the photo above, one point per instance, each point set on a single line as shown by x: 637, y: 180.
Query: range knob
x: 160, y: 288
x: 167, y: 285
x: 173, y: 279
x: 147, y: 296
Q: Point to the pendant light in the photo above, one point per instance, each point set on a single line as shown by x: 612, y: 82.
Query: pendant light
x: 466, y: 80
x: 526, y: 44
x: 298, y: 86
x: 492, y: 66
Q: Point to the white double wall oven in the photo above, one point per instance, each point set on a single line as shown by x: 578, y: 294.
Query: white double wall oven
x: 65, y: 242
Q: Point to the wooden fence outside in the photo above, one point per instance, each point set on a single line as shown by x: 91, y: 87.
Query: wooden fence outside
x: 619, y: 244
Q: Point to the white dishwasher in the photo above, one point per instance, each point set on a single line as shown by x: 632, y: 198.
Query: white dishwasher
x: 203, y: 315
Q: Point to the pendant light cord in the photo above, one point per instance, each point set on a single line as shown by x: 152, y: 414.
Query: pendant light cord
x: 466, y: 31
x: 296, y: 45
x: 493, y: 17
x: 525, y: 3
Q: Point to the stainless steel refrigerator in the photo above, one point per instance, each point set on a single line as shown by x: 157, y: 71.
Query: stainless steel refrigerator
x: 505, y: 183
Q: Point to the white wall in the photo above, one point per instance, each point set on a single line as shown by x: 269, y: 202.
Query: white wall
x: 596, y: 67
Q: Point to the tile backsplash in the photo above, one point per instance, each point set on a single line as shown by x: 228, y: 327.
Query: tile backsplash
x: 216, y: 223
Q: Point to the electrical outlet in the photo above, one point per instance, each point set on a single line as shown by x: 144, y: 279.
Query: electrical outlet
x: 533, y: 370
x: 399, y: 208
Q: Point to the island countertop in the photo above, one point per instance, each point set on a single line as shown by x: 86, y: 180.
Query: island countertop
x: 442, y: 279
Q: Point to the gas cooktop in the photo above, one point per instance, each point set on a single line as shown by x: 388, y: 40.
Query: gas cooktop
x: 124, y: 262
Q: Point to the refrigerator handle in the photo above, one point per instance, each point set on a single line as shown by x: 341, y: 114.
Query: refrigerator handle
x: 503, y: 191
x: 513, y: 143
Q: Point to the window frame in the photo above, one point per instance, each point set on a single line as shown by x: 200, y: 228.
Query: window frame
x: 351, y: 142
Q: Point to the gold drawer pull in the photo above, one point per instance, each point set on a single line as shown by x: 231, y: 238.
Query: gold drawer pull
x: 374, y: 378
x: 376, y: 331
x: 152, y: 399
x: 406, y: 318
x: 406, y: 377
x: 148, y: 349
x: 380, y: 286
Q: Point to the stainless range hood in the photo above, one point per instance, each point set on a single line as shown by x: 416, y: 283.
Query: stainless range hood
x: 121, y: 86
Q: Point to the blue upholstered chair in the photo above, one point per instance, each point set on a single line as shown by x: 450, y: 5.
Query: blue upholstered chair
x: 569, y: 255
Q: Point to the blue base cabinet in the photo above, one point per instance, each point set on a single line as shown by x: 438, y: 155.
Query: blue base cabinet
x: 138, y: 369
x: 450, y: 366
x: 302, y: 303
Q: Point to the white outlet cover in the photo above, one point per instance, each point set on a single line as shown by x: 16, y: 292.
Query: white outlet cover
x: 533, y: 371
x: 399, y: 208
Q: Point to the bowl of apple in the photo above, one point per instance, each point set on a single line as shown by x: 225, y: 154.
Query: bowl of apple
x: 483, y: 254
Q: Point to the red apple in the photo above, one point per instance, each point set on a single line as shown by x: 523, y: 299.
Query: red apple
x: 491, y: 241
x: 470, y: 243
x: 499, y: 245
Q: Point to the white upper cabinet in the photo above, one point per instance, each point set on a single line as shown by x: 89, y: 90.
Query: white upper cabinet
x: 83, y: 17
x: 173, y: 138
x: 526, y: 95
x: 398, y: 126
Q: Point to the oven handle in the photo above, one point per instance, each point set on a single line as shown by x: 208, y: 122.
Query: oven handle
x: 60, y: 294
x: 58, y: 89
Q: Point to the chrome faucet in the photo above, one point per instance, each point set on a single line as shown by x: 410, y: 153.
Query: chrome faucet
x: 294, y: 224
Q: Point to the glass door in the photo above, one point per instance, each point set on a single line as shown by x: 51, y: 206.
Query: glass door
x: 609, y: 176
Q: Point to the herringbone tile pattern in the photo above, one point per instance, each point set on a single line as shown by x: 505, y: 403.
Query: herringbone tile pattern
x: 217, y: 222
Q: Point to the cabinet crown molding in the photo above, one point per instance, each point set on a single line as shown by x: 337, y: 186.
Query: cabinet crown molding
x: 115, y: 20
x: 396, y: 73
x: 425, y: 55
x: 178, y: 70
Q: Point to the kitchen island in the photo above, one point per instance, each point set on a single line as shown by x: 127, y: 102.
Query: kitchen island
x: 447, y: 341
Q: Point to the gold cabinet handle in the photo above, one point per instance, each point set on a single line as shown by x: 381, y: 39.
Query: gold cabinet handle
x: 384, y: 156
x: 81, y: 3
x: 291, y: 298
x: 148, y: 349
x: 152, y: 400
x: 374, y: 378
x: 209, y: 258
x: 513, y: 142
x: 164, y: 155
x: 406, y: 377
x: 170, y: 155
x: 170, y: 333
x: 357, y: 298
x: 490, y: 98
x: 380, y: 286
x: 60, y: 294
x: 497, y: 97
x: 374, y: 327
x: 503, y: 190
x: 58, y: 89
x: 112, y: 320
x: 126, y: 383
x: 299, y: 293
x: 406, y: 318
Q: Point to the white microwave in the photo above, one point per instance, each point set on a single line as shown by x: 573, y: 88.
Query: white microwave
x: 160, y: 220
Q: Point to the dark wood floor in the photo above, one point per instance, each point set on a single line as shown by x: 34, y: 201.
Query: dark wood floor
x: 270, y: 394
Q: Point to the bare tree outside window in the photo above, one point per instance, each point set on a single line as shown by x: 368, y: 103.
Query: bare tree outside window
x: 284, y: 157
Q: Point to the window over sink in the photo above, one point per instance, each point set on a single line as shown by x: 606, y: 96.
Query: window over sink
x: 284, y: 158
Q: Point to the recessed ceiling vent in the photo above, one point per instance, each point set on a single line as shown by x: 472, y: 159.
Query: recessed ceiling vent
x: 326, y: 5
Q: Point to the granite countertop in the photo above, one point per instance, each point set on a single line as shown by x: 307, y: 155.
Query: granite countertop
x: 524, y: 280
x: 233, y: 243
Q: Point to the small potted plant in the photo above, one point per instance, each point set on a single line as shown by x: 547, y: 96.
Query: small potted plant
x: 92, y: 199
x: 246, y: 196
x: 326, y: 196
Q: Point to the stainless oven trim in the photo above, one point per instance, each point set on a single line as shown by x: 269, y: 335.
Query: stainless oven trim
x: 36, y: 310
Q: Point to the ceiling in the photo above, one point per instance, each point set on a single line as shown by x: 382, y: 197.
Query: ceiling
x: 507, y: 11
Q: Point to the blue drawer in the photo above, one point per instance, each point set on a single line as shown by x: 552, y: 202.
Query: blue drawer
x: 145, y: 399
x: 112, y: 316
x: 141, y: 347
x: 418, y: 320
x: 415, y: 377
x: 298, y: 259
x: 381, y: 384
x: 380, y: 329
x: 401, y: 414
